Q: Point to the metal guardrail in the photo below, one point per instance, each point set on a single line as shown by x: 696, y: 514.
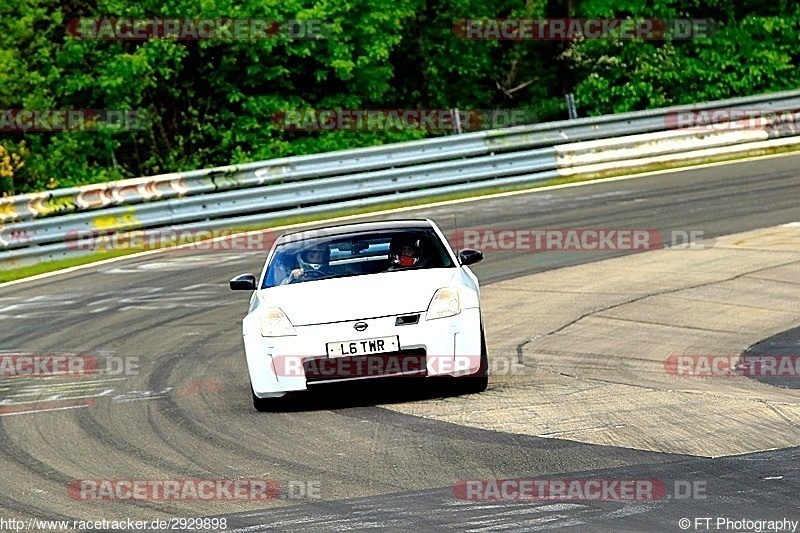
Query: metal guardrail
x: 175, y: 185
x: 138, y: 190
x: 43, y: 224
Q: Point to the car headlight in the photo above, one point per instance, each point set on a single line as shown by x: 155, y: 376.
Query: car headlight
x: 274, y: 323
x: 445, y: 303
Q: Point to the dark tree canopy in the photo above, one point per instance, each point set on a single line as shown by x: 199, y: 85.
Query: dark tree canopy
x: 212, y: 102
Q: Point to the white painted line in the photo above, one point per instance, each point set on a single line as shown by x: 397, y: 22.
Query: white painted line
x: 44, y: 410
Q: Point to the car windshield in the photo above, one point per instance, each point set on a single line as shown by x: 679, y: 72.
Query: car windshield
x: 355, y: 254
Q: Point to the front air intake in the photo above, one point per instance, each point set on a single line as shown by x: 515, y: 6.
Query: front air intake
x: 406, y: 320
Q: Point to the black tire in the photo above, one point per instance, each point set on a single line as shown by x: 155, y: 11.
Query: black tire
x: 262, y: 405
x: 478, y: 381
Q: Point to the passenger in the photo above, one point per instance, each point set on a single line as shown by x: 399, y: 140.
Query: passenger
x: 406, y: 252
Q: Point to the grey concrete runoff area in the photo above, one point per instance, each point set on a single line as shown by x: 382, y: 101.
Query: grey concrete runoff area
x: 583, y: 353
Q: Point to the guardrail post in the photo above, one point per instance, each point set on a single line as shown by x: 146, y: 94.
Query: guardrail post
x: 456, y: 120
x: 573, y: 112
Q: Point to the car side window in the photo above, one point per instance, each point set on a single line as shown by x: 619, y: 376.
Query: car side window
x: 279, y: 269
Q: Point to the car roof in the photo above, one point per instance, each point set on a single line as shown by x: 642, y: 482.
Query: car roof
x: 358, y: 227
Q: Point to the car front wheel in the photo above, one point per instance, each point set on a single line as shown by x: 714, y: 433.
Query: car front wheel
x: 261, y: 404
x: 478, y: 381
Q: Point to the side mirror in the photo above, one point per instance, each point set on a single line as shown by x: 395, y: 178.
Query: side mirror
x: 243, y: 282
x: 468, y: 256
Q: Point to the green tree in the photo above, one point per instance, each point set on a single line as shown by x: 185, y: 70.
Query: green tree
x: 214, y: 102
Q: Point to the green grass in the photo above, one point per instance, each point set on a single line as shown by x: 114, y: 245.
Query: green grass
x: 59, y: 264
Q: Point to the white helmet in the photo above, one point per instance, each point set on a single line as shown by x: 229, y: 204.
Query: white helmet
x: 313, y: 258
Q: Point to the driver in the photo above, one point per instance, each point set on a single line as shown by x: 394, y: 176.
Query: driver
x: 313, y: 264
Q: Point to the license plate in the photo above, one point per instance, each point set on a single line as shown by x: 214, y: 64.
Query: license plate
x: 363, y: 346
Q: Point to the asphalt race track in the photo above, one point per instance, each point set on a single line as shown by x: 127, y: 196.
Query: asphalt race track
x: 170, y: 399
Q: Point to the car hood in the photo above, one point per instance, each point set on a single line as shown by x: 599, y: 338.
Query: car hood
x: 358, y: 297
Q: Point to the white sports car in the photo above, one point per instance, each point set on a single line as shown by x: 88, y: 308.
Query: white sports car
x: 363, y: 301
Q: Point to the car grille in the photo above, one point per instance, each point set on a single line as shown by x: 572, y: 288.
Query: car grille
x: 329, y: 369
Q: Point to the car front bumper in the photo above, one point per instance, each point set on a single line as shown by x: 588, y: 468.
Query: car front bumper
x: 448, y: 347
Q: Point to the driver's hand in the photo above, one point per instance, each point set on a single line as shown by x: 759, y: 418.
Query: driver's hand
x: 297, y: 273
